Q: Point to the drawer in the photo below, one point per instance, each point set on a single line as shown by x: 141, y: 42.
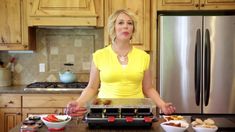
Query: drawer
x: 48, y: 100
x: 10, y: 100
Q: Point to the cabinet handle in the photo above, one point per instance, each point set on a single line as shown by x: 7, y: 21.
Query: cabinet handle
x: 25, y: 46
x: 2, y: 39
x: 202, y: 5
x: 56, y: 111
x: 18, y: 113
x: 11, y: 102
x: 197, y: 5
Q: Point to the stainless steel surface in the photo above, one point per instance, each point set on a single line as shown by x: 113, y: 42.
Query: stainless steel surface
x: 56, y: 86
x: 177, y: 50
x: 222, y: 82
x: 177, y: 63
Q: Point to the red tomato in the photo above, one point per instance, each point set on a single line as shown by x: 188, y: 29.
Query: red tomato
x: 52, y: 118
x: 45, y: 118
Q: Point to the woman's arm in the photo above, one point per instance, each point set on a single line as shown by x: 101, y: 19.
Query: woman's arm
x: 150, y: 92
x: 92, y: 88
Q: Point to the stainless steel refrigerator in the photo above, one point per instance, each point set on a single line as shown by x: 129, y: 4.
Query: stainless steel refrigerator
x: 197, y: 63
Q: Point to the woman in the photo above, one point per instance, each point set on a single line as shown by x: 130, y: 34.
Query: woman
x: 122, y: 69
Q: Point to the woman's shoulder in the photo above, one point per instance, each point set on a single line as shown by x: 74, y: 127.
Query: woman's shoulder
x: 102, y: 51
x: 139, y: 51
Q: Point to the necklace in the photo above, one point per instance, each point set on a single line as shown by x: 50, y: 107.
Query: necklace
x: 123, y: 59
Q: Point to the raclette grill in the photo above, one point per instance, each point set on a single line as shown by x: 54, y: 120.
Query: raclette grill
x: 120, y: 112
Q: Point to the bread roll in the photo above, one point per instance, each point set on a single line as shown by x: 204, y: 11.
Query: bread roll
x: 209, y: 121
x: 199, y: 121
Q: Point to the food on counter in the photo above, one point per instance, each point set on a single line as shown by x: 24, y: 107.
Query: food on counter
x: 107, y: 102
x: 55, y: 122
x: 96, y: 102
x: 199, y: 121
x: 208, y: 123
x: 173, y: 117
x: 100, y: 102
x: 53, y: 118
x: 33, y: 117
x: 173, y: 124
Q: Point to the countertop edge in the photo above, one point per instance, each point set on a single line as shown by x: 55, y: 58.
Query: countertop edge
x: 19, y: 89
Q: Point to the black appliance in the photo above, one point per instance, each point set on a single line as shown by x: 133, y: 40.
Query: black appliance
x: 121, y: 112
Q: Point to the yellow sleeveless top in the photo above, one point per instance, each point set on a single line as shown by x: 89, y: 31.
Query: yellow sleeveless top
x: 119, y: 81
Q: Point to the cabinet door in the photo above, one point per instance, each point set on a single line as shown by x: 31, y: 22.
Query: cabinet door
x: 217, y: 4
x: 61, y: 12
x: 178, y: 4
x: 9, y: 118
x: 13, y: 26
x: 141, y: 8
x: 10, y: 24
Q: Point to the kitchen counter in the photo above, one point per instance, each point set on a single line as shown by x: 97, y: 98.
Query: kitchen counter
x: 80, y: 126
x: 19, y: 89
x: 77, y: 124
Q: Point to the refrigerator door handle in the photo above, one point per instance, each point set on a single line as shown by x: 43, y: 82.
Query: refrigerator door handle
x: 207, y: 67
x: 197, y: 66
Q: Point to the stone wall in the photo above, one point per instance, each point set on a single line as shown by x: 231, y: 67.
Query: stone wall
x: 54, y: 48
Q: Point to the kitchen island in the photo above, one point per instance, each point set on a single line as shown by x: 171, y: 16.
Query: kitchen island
x: 77, y: 125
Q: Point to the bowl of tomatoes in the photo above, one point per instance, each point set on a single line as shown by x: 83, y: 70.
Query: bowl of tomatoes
x: 55, y: 122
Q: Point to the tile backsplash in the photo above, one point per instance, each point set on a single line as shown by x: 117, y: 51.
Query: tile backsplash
x: 54, y: 48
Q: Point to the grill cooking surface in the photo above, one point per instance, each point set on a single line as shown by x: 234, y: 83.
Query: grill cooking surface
x: 109, y: 112
x: 50, y: 86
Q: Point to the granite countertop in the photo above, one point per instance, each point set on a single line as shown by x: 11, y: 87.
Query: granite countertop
x: 19, y: 89
x: 77, y: 125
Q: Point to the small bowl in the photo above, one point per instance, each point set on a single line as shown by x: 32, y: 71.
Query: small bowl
x: 57, y: 125
x: 169, y: 128
x: 204, y: 129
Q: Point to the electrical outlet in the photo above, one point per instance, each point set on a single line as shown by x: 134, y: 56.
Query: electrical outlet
x: 42, y: 67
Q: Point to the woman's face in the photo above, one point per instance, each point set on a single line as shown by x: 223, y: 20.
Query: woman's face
x: 123, y: 27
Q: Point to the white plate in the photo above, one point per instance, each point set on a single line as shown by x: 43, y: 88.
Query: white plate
x: 168, y: 128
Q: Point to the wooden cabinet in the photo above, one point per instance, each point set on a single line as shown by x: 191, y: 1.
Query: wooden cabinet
x: 141, y: 8
x: 9, y: 118
x: 64, y: 12
x: 14, y: 108
x: 196, y: 5
x: 10, y: 111
x: 13, y: 28
x: 217, y: 4
x: 35, y: 104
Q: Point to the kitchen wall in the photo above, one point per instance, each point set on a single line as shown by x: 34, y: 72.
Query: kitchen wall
x: 54, y: 48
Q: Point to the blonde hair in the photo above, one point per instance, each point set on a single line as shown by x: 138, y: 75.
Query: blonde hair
x: 112, y: 19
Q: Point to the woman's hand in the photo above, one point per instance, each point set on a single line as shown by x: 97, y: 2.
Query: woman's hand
x: 73, y: 109
x: 168, y: 108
